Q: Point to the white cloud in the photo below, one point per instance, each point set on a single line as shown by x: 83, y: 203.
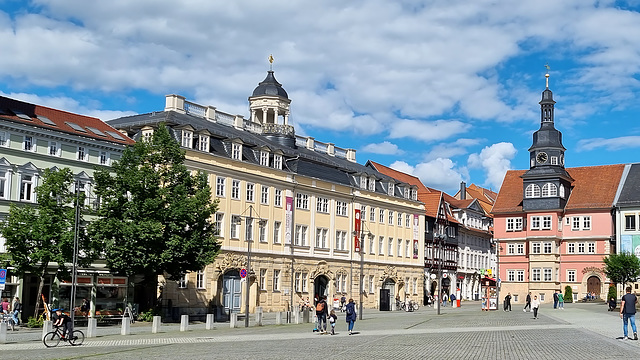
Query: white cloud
x: 451, y: 149
x: 613, y: 144
x: 383, y: 148
x: 427, y: 130
x: 440, y: 174
x: 495, y: 160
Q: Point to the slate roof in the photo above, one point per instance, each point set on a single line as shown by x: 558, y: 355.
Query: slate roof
x: 299, y: 160
x: 594, y: 187
x: 43, y: 117
x: 629, y: 192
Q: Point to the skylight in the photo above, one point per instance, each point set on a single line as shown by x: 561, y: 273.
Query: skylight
x: 96, y: 131
x: 75, y: 126
x: 21, y: 115
x: 115, y: 135
x: 46, y: 120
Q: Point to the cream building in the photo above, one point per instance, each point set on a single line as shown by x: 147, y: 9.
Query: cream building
x: 293, y: 201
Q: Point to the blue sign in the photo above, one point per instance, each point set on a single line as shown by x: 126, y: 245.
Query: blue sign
x: 3, y: 276
x: 243, y: 273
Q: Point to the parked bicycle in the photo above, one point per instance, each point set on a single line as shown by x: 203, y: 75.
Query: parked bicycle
x: 53, y: 338
x: 8, y: 318
x: 407, y: 306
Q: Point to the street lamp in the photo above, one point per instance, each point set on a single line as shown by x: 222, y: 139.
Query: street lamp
x: 369, y: 236
x: 74, y: 271
x: 441, y: 238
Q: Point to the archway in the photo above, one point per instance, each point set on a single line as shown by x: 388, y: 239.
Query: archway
x: 387, y: 293
x: 231, y: 292
x: 594, y: 285
x: 321, y: 286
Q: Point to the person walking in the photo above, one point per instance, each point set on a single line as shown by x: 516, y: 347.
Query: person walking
x: 351, y: 315
x: 555, y: 299
x: 535, y: 304
x: 445, y: 300
x: 17, y: 307
x: 507, y: 302
x: 528, y: 304
x: 321, y: 313
x: 628, y: 313
x: 560, y: 301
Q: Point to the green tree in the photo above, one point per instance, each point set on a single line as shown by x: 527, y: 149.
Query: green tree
x: 568, y: 294
x: 613, y: 293
x: 155, y: 215
x: 38, y: 235
x: 622, y: 268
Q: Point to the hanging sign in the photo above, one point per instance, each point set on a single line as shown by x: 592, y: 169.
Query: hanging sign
x: 357, y: 225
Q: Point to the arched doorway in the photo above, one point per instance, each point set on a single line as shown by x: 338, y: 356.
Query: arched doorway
x: 387, y: 293
x: 446, y: 284
x: 231, y: 292
x: 594, y: 285
x: 321, y: 286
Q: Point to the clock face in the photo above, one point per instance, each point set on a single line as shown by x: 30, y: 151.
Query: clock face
x: 542, y: 157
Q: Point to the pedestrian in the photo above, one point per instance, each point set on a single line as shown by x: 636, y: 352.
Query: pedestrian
x: 17, y: 307
x: 507, y: 302
x: 332, y: 321
x: 321, y: 313
x: 612, y: 303
x: 351, y: 315
x: 628, y: 313
x: 555, y: 299
x: 445, y: 299
x: 452, y: 297
x: 535, y: 304
x: 5, y: 305
x: 560, y: 301
x: 528, y: 304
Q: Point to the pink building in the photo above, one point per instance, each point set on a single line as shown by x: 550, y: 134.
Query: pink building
x: 554, y: 225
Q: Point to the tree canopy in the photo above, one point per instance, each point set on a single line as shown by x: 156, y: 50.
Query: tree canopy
x: 154, y: 215
x: 622, y: 268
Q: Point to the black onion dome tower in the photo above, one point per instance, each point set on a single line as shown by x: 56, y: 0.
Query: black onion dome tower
x: 546, y: 185
x: 269, y: 105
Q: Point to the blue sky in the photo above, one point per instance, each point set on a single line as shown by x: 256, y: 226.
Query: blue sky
x: 446, y: 90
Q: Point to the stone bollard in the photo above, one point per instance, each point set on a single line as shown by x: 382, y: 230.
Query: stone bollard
x: 47, y: 326
x: 296, y: 317
x: 259, y: 316
x: 92, y: 327
x: 279, y: 318
x: 210, y: 320
x: 3, y: 333
x: 126, y: 327
x: 306, y: 316
x: 454, y: 304
x: 233, y: 320
x: 157, y: 322
x: 184, y: 323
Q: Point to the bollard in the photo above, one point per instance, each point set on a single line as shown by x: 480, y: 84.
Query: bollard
x: 92, y: 327
x: 259, y: 316
x: 47, y: 326
x: 233, y: 320
x: 279, y: 318
x: 210, y: 321
x: 157, y: 322
x: 306, y: 316
x: 3, y: 333
x: 297, y: 316
x: 126, y: 327
x: 184, y: 323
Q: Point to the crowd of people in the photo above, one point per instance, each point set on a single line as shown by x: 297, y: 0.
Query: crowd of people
x: 324, y: 315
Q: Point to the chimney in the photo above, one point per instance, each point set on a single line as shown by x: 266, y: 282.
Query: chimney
x: 463, y: 190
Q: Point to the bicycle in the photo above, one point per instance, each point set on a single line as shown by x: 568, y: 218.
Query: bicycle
x: 8, y: 318
x: 53, y: 338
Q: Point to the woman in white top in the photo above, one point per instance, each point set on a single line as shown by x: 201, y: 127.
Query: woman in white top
x: 535, y: 304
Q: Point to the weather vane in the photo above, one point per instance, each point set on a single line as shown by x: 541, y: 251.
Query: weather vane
x: 547, y: 74
x: 271, y: 62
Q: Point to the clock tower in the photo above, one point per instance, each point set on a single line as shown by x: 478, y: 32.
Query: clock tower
x: 546, y: 185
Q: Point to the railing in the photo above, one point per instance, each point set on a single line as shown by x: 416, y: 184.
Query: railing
x: 301, y: 141
x: 224, y: 118
x: 252, y: 127
x: 195, y: 109
x: 320, y: 146
x: 340, y: 152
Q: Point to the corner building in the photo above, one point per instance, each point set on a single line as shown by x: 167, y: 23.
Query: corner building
x: 294, y: 200
x: 554, y: 225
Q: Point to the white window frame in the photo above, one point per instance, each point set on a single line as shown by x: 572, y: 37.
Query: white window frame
x: 82, y: 153
x: 547, y: 274
x: 263, y: 279
x: 520, y: 275
x: 301, y: 235
x: 277, y: 198
x: 381, y: 216
x: 219, y: 224
x: 536, y: 274
x: 571, y: 248
x: 575, y: 223
x: 187, y: 139
x: 302, y: 201
x: 182, y: 282
x: 264, y: 195
x: 520, y: 249
x: 511, y: 275
x: 105, y: 158
x: 29, y: 143
x: 28, y: 188
x: 511, y: 249
x: 235, y: 189
x: 581, y: 248
x: 5, y: 139
x: 262, y: 231
x: 322, y: 205
x: 536, y: 248
x: 220, y: 186
x: 390, y: 247
x: 276, y: 232
x: 264, y: 158
x: 586, y: 223
x: 381, y: 245
x: 341, y: 208
x: 372, y: 215
x: 276, y: 280
x: 571, y: 275
x: 547, y: 222
x: 203, y: 143
x: 399, y: 248
x: 234, y: 226
x: 547, y: 248
x: 591, y: 247
x: 321, y: 238
x: 407, y: 248
x: 200, y: 277
x: 341, y: 240
x: 536, y: 222
x: 236, y: 151
x: 549, y: 190
x: 250, y: 192
x: 532, y: 191
x: 277, y: 162
x: 54, y: 148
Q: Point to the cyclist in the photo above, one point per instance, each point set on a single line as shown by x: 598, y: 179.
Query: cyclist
x: 63, y: 320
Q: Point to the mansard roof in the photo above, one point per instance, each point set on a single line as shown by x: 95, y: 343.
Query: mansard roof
x: 629, y: 190
x: 57, y: 120
x: 593, y: 187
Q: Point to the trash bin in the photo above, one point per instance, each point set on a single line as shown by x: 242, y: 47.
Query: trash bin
x: 458, y: 302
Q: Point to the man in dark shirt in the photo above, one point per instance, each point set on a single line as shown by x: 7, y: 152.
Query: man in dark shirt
x: 628, y: 312
x: 64, y: 320
x: 321, y: 313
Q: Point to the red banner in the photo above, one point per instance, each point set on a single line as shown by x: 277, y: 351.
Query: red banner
x: 356, y: 240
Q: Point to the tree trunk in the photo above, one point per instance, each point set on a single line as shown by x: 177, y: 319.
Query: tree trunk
x: 39, y: 293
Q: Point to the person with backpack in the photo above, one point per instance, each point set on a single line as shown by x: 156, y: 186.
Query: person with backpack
x: 321, y: 313
x: 17, y: 307
x: 351, y: 315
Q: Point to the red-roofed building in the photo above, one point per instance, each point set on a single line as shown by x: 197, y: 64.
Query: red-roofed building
x: 33, y: 138
x: 554, y: 225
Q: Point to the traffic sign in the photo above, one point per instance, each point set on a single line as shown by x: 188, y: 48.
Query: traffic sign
x: 3, y: 276
x: 243, y: 273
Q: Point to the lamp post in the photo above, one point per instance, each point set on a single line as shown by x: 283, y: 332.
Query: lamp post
x: 74, y: 271
x: 249, y: 237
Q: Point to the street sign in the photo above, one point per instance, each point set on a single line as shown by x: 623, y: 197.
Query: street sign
x: 243, y: 273
x: 3, y: 276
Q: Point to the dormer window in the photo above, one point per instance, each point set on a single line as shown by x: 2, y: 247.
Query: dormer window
x: 187, y: 138
x: 236, y: 151
x: 203, y: 143
x: 363, y: 182
x: 549, y: 190
x: 562, y: 191
x: 147, y: 134
x: 264, y: 158
x: 532, y: 191
x: 391, y: 189
x: 277, y: 162
x: 414, y: 194
x: 406, y: 193
x: 372, y: 184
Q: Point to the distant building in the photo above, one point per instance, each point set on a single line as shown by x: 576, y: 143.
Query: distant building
x: 314, y: 215
x: 553, y: 225
x: 627, y: 214
x: 34, y: 138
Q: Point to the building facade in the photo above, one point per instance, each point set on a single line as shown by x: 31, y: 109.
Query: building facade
x: 34, y: 138
x: 627, y: 215
x: 317, y: 223
x: 553, y: 225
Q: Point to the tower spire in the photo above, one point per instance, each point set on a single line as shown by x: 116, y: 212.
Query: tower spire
x: 547, y: 74
x: 271, y: 63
